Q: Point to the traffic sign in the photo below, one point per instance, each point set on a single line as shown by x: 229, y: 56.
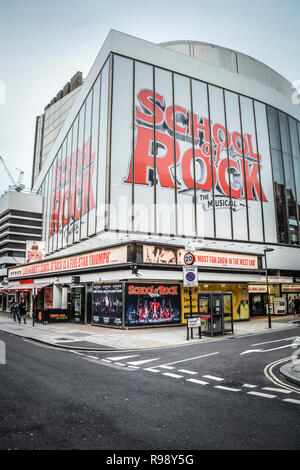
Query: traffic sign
x: 194, y: 322
x: 189, y: 258
x: 190, y: 276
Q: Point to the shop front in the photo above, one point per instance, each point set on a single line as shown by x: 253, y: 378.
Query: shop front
x: 135, y: 304
x: 284, y: 298
x: 291, y: 293
x: 139, y: 284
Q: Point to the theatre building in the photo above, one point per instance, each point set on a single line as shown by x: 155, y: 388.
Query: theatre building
x: 168, y: 146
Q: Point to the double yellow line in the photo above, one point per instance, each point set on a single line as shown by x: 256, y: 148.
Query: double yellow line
x: 268, y: 371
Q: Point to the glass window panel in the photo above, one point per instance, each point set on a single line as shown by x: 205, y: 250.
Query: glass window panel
x: 45, y: 194
x: 58, y: 200
x: 121, y: 145
x: 265, y: 173
x: 204, y: 193
x: 185, y: 190
x: 67, y: 197
x: 277, y: 167
x: 53, y: 206
x: 252, y: 173
x: 165, y: 181
x: 78, y: 175
x: 273, y: 128
x: 297, y: 174
x: 102, y: 157
x: 48, y: 210
x: 94, y: 158
x: 71, y: 215
x: 61, y: 192
x: 284, y: 132
x: 239, y: 208
x: 278, y: 175
x: 220, y: 159
x: 143, y: 132
x: 294, y: 137
x: 85, y: 199
x: 293, y: 222
x: 289, y: 176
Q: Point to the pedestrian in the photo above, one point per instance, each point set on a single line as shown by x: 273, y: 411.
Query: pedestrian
x: 22, y: 311
x: 296, y: 305
x: 14, y: 309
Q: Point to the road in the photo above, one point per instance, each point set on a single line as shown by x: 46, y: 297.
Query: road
x: 215, y: 395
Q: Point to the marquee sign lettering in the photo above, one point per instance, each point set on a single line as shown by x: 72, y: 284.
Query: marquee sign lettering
x: 78, y: 262
x: 213, y: 164
x: 72, y: 189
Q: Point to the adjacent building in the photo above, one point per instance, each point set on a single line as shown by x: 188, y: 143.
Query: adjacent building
x: 49, y: 123
x: 169, y: 147
x: 20, y: 221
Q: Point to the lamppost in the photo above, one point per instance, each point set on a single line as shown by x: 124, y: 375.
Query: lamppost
x: 268, y: 296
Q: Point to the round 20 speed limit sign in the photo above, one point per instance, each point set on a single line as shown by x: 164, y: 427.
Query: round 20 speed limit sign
x: 189, y: 258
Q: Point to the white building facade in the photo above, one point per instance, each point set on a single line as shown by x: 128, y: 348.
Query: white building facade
x: 164, y: 145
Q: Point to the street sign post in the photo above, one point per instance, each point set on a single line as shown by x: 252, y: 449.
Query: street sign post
x: 189, y: 258
x: 190, y: 279
x: 190, y: 276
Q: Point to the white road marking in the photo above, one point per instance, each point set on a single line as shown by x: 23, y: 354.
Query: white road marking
x: 212, y: 377
x: 175, y: 376
x: 250, y: 351
x: 280, y: 390
x: 280, y: 347
x: 119, y: 364
x: 275, y: 341
x: 152, y: 370
x: 189, y: 359
x: 138, y: 363
x: 249, y: 386
x: 197, y: 381
x: 167, y: 367
x: 119, y: 358
x: 79, y: 354
x: 292, y: 400
x: 105, y: 360
x: 188, y: 371
x: 259, y: 394
x: 221, y: 387
x: 92, y: 357
x: 132, y: 367
x: 266, y: 350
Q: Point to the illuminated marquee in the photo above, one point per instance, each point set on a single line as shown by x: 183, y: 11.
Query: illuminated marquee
x: 85, y: 260
x: 217, y: 154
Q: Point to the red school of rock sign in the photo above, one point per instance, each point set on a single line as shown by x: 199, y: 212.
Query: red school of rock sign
x: 217, y: 152
x: 191, y: 128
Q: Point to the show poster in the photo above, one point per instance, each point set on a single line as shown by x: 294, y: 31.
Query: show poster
x: 35, y: 250
x: 152, y: 304
x: 107, y: 304
x: 48, y: 300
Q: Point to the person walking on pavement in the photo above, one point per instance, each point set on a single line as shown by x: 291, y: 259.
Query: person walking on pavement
x: 14, y: 310
x: 22, y: 311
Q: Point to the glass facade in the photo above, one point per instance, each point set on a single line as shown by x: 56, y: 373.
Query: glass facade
x: 175, y: 156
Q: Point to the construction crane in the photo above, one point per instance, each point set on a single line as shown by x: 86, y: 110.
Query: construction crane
x: 15, y: 186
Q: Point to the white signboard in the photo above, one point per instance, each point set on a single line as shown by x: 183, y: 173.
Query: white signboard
x: 190, y: 276
x: 279, y: 306
x: 194, y: 322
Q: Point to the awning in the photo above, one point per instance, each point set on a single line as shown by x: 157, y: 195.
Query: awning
x: 29, y: 286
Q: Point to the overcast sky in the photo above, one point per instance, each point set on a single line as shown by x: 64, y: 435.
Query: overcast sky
x: 43, y: 43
